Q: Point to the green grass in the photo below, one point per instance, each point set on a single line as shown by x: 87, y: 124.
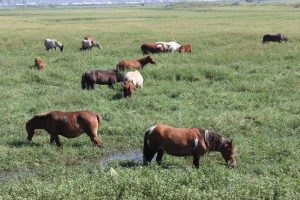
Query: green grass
x: 230, y: 83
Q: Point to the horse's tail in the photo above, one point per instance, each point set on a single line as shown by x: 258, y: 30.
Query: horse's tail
x: 99, y: 118
x: 83, y: 81
x: 147, y: 153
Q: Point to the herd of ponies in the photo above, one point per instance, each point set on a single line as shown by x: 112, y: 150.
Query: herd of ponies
x: 158, y: 139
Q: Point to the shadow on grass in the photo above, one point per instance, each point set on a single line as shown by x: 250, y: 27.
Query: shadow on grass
x: 23, y: 143
x: 117, y: 96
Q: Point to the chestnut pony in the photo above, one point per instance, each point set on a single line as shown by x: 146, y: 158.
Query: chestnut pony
x: 128, y: 88
x: 67, y: 124
x: 135, y: 64
x: 185, y: 48
x: 185, y: 142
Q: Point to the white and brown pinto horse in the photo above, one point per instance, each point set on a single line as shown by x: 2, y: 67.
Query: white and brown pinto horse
x: 170, y: 46
x: 185, y: 142
x: 67, y: 124
x: 136, y: 77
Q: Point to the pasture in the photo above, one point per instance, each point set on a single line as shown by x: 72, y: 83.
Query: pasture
x: 231, y: 83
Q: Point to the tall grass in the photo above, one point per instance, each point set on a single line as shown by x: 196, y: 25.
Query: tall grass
x: 230, y: 83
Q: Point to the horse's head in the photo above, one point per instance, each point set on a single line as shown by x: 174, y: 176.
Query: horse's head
x: 228, y: 151
x: 30, y: 130
x: 128, y: 88
x: 96, y: 44
x: 149, y: 59
x: 285, y: 38
x: 61, y: 48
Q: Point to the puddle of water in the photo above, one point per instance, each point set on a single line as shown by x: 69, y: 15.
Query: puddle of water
x: 134, y: 157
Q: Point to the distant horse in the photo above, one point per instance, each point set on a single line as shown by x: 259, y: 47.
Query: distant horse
x: 135, y: 64
x: 128, y: 88
x: 185, y: 48
x: 136, y: 77
x: 274, y: 38
x: 52, y: 43
x: 185, y: 142
x: 39, y: 63
x: 101, y: 77
x: 88, y: 45
x: 152, y: 48
x: 170, y: 46
x: 67, y: 124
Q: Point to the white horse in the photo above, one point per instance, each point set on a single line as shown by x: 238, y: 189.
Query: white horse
x: 52, y: 43
x: 136, y: 77
x: 170, y: 46
x: 88, y: 44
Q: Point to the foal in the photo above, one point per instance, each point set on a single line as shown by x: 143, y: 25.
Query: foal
x: 67, y: 124
x: 135, y: 64
x: 185, y: 142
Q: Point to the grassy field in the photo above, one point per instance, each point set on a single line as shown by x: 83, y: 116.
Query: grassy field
x: 230, y: 83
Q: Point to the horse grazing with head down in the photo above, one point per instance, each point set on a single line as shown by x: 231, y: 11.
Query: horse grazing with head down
x: 89, y: 44
x: 67, y: 124
x: 185, y: 48
x: 128, y: 88
x: 135, y: 64
x: 101, y: 77
x: 52, y: 43
x: 39, y: 63
x: 185, y: 142
x: 152, y: 48
x: 274, y: 38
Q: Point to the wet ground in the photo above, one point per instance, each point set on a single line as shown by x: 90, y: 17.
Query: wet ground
x: 126, y: 159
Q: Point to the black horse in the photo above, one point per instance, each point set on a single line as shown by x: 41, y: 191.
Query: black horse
x: 275, y: 38
x: 101, y: 77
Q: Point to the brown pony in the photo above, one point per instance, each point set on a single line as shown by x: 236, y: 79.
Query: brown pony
x: 39, y: 63
x: 67, y: 124
x: 185, y: 48
x: 128, y: 88
x: 101, y: 77
x: 152, y: 48
x: 135, y: 64
x: 185, y: 142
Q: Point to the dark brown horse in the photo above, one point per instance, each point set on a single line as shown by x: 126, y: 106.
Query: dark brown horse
x: 128, y: 88
x: 67, y: 124
x: 274, y: 38
x: 135, y: 64
x: 101, y: 77
x: 39, y: 63
x: 185, y: 48
x: 152, y: 48
x: 185, y: 142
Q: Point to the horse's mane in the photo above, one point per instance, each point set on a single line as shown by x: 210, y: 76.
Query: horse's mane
x: 213, y: 140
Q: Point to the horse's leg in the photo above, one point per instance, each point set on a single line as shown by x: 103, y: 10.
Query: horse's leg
x: 52, y: 139
x: 148, y: 153
x: 159, y: 156
x: 196, y: 159
x: 55, y: 138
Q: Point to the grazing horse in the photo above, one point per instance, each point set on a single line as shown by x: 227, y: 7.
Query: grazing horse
x: 152, y: 48
x: 135, y: 64
x: 185, y: 142
x: 128, y: 88
x: 274, y: 38
x: 170, y: 46
x: 88, y: 45
x: 101, y: 77
x: 67, y: 124
x: 185, y: 48
x: 39, y: 63
x: 136, y: 77
x: 52, y: 43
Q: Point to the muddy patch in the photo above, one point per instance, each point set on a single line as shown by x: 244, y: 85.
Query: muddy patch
x: 126, y: 159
